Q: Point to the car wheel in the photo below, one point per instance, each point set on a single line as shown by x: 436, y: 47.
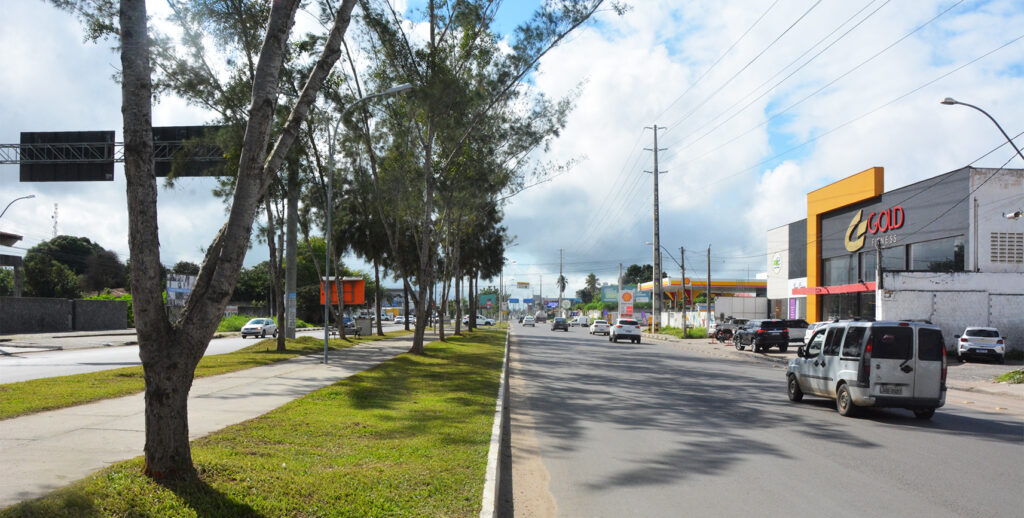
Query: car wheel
x: 263, y: 334
x: 637, y: 340
x: 275, y: 333
x: 1002, y: 360
x: 924, y: 413
x: 844, y: 402
x: 793, y: 389
x: 739, y: 345
x: 783, y: 348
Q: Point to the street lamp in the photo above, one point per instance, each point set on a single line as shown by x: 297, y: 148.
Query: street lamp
x: 949, y: 101
x: 331, y: 137
x: 30, y: 196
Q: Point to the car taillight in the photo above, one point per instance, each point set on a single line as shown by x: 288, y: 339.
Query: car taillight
x: 759, y: 331
x: 963, y: 338
x: 999, y: 342
x: 866, y: 363
x: 618, y: 326
x: 943, y: 366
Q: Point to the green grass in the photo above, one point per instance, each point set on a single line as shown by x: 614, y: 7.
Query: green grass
x: 691, y: 332
x: 235, y: 323
x: 29, y: 397
x: 407, y: 438
x: 1016, y: 376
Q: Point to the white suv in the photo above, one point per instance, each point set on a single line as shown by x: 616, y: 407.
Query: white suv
x: 625, y: 328
x: 880, y: 364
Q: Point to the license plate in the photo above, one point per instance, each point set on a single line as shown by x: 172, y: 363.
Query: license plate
x: 890, y: 389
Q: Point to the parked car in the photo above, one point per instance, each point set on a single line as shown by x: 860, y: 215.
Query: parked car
x: 559, y: 323
x: 260, y: 327
x: 762, y: 335
x: 981, y: 342
x: 529, y: 321
x: 599, y: 327
x: 872, y: 364
x: 401, y: 319
x: 624, y: 329
x: 480, y: 320
x: 724, y: 331
x: 797, y: 329
x: 810, y: 330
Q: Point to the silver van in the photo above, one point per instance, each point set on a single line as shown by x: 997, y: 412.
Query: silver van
x: 872, y: 364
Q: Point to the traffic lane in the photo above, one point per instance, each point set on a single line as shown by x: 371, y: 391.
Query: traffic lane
x: 649, y: 430
x: 16, y: 366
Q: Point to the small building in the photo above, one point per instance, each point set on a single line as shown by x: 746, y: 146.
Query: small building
x: 944, y: 249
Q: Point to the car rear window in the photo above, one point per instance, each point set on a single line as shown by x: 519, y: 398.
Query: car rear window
x: 628, y: 322
x: 929, y: 345
x: 802, y: 324
x: 982, y: 333
x: 892, y: 343
x: 773, y: 324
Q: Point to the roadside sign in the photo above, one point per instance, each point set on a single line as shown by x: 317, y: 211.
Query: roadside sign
x: 513, y: 301
x: 523, y: 285
x: 566, y: 304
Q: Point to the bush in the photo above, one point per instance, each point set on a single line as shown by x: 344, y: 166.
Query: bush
x: 1016, y: 376
x: 691, y: 332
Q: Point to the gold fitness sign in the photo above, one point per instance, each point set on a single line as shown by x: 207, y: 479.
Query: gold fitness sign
x: 877, y: 222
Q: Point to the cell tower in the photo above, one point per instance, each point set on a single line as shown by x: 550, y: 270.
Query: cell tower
x: 54, y: 220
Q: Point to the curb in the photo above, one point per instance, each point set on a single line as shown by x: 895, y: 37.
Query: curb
x: 492, y: 485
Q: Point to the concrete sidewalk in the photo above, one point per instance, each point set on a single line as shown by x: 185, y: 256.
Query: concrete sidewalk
x: 46, y: 451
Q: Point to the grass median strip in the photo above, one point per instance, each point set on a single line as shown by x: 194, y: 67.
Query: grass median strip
x: 40, y: 395
x: 407, y: 438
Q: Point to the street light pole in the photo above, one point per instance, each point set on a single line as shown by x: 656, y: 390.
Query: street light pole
x: 327, y: 232
x: 30, y: 196
x: 949, y: 101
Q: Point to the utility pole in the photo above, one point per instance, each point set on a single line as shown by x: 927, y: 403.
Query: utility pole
x: 656, y: 281
x: 682, y: 282
x: 290, y: 253
x: 707, y: 295
x: 618, y: 309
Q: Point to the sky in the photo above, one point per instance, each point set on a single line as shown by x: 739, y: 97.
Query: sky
x: 757, y: 103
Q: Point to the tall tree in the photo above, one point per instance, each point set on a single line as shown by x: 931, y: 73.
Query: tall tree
x: 170, y: 351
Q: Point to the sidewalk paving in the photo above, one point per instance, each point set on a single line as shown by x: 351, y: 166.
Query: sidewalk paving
x: 727, y: 350
x: 46, y: 451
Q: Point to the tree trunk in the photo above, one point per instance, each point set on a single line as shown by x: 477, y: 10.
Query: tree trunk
x: 275, y: 272
x: 168, y: 381
x: 405, y: 301
x: 376, y: 297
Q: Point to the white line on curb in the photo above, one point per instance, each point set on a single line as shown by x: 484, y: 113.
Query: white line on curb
x: 489, y: 507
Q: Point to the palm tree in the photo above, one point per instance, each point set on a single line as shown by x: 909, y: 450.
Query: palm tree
x: 591, y: 283
x: 561, y: 283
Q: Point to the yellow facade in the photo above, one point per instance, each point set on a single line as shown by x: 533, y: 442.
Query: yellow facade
x: 853, y: 189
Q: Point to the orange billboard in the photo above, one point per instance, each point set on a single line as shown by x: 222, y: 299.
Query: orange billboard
x: 353, y: 288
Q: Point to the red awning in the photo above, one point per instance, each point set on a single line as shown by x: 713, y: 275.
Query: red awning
x: 832, y: 290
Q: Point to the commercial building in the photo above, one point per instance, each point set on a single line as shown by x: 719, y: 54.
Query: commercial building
x: 943, y: 248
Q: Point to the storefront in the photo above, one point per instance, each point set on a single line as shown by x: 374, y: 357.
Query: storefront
x: 947, y: 223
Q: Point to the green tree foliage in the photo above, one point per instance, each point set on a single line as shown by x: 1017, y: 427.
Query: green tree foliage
x: 45, y: 277
x: 6, y: 282
x: 65, y: 265
x: 185, y: 268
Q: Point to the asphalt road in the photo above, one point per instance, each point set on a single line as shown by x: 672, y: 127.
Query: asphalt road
x: 602, y: 429
x: 22, y: 366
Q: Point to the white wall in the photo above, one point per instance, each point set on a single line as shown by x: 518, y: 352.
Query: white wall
x: 954, y: 301
x: 994, y: 194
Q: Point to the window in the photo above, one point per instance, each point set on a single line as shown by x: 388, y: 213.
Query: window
x: 773, y: 324
x: 867, y: 266
x: 837, y: 271
x: 832, y: 341
x: 892, y: 343
x: 894, y: 259
x: 940, y: 255
x: 853, y: 341
x: 1007, y: 247
x: 814, y: 346
x: 982, y: 333
x: 929, y: 345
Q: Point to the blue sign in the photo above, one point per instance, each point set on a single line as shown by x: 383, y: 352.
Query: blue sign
x: 513, y: 301
x: 553, y: 305
x: 528, y: 301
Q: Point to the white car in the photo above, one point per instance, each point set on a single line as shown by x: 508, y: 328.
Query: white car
x: 599, y: 327
x: 625, y: 328
x: 981, y: 342
x: 529, y: 321
x: 260, y: 327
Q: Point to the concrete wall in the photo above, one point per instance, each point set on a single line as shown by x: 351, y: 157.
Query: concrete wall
x: 35, y: 315
x: 46, y: 315
x: 100, y: 315
x: 954, y: 301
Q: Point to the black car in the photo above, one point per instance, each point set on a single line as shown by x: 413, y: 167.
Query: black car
x: 559, y: 323
x: 761, y: 335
